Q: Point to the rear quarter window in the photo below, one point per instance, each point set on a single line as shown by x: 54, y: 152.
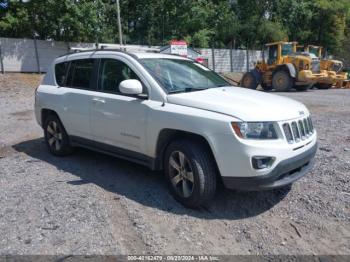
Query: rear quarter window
x: 60, y: 73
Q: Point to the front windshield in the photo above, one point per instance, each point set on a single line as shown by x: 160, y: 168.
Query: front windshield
x: 287, y: 49
x: 177, y: 75
x: 314, y: 50
x: 313, y: 56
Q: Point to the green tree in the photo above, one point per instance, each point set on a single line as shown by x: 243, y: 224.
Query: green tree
x: 329, y: 23
x: 203, y: 23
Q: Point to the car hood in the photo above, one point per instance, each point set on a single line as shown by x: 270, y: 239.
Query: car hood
x: 242, y: 103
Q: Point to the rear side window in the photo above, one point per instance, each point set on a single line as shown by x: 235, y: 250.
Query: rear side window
x: 60, y: 73
x: 80, y: 73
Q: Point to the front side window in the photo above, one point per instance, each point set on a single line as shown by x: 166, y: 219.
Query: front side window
x: 177, y: 75
x: 112, y: 73
x: 272, y: 54
x: 60, y: 73
x: 287, y: 49
x: 80, y: 73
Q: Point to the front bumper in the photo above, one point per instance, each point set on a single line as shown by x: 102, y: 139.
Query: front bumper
x: 285, y: 173
x: 309, y: 77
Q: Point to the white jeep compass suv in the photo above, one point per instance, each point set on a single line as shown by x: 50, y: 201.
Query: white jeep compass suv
x: 173, y: 114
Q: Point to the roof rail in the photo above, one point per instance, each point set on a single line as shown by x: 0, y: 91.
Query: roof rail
x: 124, y: 48
x: 98, y: 47
x: 80, y: 49
x: 128, y: 47
x: 112, y: 47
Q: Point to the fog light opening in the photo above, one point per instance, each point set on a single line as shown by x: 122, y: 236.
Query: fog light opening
x: 261, y: 162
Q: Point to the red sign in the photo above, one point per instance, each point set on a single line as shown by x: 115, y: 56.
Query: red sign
x: 178, y: 42
x: 178, y: 47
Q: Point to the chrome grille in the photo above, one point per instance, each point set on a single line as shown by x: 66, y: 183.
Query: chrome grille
x: 295, y: 131
x: 306, y: 127
x: 301, y: 128
x: 288, y: 132
x: 310, y: 124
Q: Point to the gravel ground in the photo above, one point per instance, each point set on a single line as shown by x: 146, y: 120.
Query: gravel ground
x: 90, y: 203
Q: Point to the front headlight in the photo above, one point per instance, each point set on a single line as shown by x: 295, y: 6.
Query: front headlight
x: 255, y: 130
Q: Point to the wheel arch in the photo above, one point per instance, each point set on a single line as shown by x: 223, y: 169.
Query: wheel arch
x: 290, y: 68
x: 45, y: 112
x: 166, y: 136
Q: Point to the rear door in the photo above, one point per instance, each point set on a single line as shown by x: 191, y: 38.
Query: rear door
x: 77, y: 95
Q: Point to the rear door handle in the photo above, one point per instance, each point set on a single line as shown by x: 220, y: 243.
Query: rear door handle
x: 98, y: 100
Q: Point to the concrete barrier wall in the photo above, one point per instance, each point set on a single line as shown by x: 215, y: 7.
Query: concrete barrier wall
x: 222, y: 59
x: 19, y: 55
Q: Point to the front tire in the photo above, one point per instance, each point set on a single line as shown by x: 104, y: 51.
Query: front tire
x: 56, y: 137
x: 191, y: 173
x: 249, y: 81
x: 282, y: 81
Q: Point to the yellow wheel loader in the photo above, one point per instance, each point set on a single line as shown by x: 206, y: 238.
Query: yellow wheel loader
x: 345, y: 82
x: 283, y: 69
x: 331, y: 66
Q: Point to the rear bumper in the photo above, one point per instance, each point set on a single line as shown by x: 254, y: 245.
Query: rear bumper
x: 285, y: 173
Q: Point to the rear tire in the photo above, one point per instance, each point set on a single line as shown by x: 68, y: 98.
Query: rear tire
x: 249, y: 81
x: 282, y: 81
x: 303, y: 87
x: 56, y: 137
x: 191, y: 173
x: 266, y: 87
x: 323, y: 86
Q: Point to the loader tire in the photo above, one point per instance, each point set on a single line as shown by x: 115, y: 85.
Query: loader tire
x: 266, y: 87
x: 249, y: 81
x: 303, y: 87
x: 323, y: 86
x: 282, y: 81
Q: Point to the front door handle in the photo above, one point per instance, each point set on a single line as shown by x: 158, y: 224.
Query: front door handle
x: 98, y: 100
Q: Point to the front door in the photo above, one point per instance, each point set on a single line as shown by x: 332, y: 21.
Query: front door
x: 117, y: 119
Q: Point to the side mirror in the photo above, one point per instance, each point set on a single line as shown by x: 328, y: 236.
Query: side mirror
x: 130, y: 87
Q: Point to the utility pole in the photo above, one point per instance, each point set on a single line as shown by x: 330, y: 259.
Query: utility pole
x: 119, y: 24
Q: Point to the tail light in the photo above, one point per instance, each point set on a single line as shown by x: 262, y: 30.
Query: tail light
x: 199, y: 60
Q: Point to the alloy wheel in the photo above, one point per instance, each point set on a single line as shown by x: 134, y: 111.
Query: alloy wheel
x: 181, y: 174
x: 54, y: 135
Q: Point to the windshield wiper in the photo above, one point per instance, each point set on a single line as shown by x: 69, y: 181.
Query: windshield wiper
x: 187, y: 89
